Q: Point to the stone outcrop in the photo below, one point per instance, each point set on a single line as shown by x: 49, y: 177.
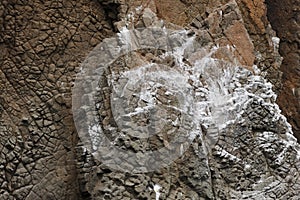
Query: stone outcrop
x: 284, y: 17
x: 242, y: 146
x: 42, y: 44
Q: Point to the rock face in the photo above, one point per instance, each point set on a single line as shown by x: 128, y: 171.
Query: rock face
x: 285, y: 18
x: 42, y: 44
x: 223, y: 56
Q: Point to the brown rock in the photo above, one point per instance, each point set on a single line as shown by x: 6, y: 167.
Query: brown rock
x: 238, y: 36
x: 42, y: 46
x: 284, y: 17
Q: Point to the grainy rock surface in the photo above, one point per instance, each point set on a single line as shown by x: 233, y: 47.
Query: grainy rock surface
x: 285, y: 19
x: 255, y: 155
x: 42, y: 44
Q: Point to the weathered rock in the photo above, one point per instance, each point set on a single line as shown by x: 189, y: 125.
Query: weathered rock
x: 255, y: 157
x: 34, y: 39
x: 284, y: 18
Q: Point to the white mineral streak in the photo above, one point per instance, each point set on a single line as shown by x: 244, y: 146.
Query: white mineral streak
x: 156, y: 189
x: 225, y: 96
x: 212, y: 92
x: 94, y: 132
x: 276, y: 42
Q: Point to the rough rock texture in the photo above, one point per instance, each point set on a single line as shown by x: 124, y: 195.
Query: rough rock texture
x: 42, y: 45
x: 255, y: 156
x: 285, y: 19
x: 266, y: 53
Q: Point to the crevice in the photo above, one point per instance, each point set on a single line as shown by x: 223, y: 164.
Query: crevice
x: 281, y: 15
x: 112, y: 14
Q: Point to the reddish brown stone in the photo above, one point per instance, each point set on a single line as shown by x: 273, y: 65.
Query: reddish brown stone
x: 285, y: 19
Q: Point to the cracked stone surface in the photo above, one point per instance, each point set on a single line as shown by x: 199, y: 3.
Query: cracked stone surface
x: 256, y: 156
x: 285, y: 18
x: 42, y: 44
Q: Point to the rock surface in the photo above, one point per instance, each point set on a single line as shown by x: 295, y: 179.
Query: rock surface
x: 243, y: 147
x: 285, y: 19
x: 42, y: 45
